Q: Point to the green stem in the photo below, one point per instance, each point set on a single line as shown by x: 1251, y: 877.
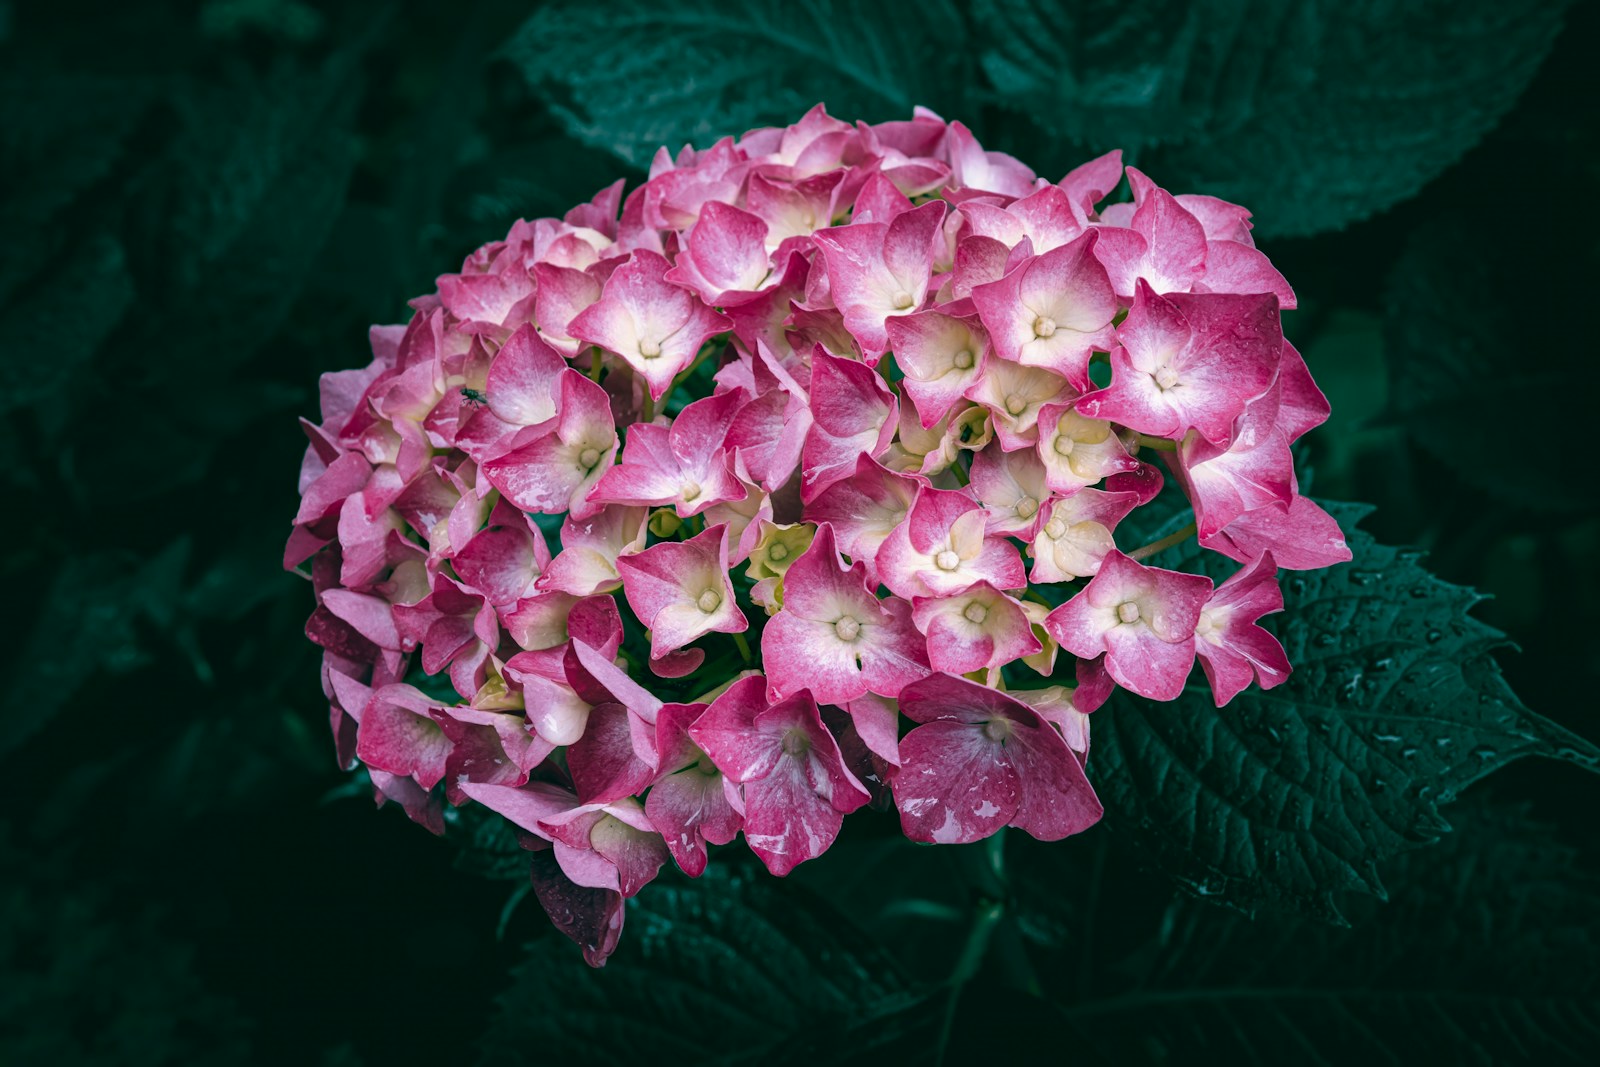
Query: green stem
x: 744, y: 647
x: 1165, y: 543
x: 700, y: 358
x: 594, y: 367
x: 987, y: 917
x: 1158, y: 444
x: 648, y: 412
x: 959, y: 471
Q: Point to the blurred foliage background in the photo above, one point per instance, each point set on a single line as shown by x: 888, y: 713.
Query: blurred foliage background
x: 204, y: 204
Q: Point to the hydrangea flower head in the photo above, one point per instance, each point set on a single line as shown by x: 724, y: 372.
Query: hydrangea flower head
x: 801, y: 477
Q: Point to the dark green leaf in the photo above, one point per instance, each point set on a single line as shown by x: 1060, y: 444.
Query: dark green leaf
x: 1451, y: 334
x: 91, y: 619
x: 1484, y: 956
x: 84, y: 983
x: 729, y: 968
x: 55, y: 325
x: 60, y: 134
x: 652, y: 74
x: 1312, y: 116
x: 1286, y: 797
x: 260, y: 168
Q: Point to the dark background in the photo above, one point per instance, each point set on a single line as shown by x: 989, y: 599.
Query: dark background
x: 204, y: 205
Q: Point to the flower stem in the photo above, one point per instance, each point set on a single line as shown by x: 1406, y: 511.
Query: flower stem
x: 1158, y: 444
x: 744, y: 647
x: 594, y: 367
x: 959, y: 471
x: 648, y: 412
x: 699, y: 358
x: 1165, y: 543
x: 1037, y: 597
x: 987, y: 917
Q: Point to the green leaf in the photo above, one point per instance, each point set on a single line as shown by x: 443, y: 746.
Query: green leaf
x: 729, y: 968
x: 1313, y: 116
x: 56, y: 325
x: 258, y: 176
x: 487, y: 845
x: 99, y: 614
x: 652, y: 74
x: 63, y: 133
x: 1452, y: 337
x: 1483, y: 956
x: 1289, y: 796
x: 90, y: 976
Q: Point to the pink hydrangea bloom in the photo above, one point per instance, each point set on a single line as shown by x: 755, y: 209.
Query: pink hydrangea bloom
x: 848, y: 368
x: 652, y: 324
x: 944, y: 545
x: 1234, y: 650
x: 796, y: 788
x: 834, y: 635
x: 681, y: 591
x: 560, y: 461
x: 1189, y: 361
x: 981, y: 760
x: 1052, y: 310
x: 1142, y: 618
x: 974, y: 629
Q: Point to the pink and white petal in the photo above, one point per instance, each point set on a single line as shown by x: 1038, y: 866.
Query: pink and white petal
x: 1143, y: 663
x: 955, y: 784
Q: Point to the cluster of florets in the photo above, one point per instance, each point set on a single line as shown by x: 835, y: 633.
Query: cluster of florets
x: 874, y: 391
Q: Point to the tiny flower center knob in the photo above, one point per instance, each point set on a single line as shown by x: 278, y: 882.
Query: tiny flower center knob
x: 1044, y: 326
x: 902, y: 299
x: 1015, y: 404
x: 1127, y: 611
x: 690, y: 491
x: 795, y: 743
x: 1064, y: 445
x: 649, y: 349
x: 963, y: 359
x: 1055, y: 528
x: 997, y: 729
x: 1205, y: 625
x: 709, y: 601
x: 1166, y: 377
x: 778, y: 552
x: 589, y: 457
x: 847, y: 628
x: 976, y: 613
x: 947, y: 560
x: 1027, y: 508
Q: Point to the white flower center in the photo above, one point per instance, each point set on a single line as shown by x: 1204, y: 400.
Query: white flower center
x: 1054, y: 529
x: 997, y: 729
x: 1206, y: 624
x: 947, y: 560
x: 1044, y: 326
x: 795, y: 742
x: 963, y: 359
x: 589, y: 457
x: 1027, y: 507
x: 778, y: 552
x: 690, y: 491
x: 902, y: 299
x: 649, y: 349
x: 1064, y: 445
x: 1165, y: 377
x: 709, y: 601
x: 1015, y: 404
x: 847, y: 628
x: 1127, y: 611
x: 976, y: 613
